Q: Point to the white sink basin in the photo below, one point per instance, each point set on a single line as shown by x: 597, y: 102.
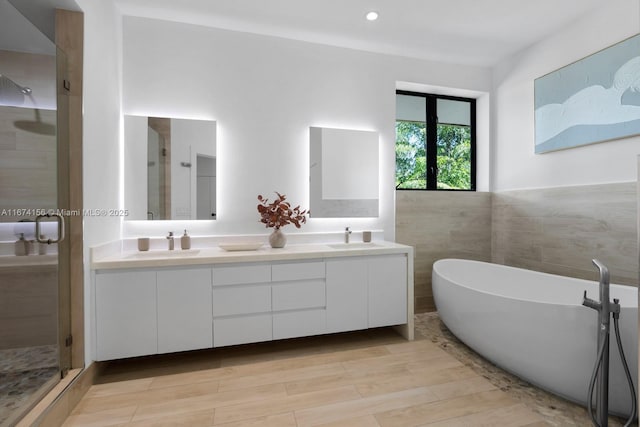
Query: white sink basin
x: 361, y: 245
x: 164, y: 254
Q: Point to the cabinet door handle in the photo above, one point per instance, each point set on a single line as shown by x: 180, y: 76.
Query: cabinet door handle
x: 60, y: 219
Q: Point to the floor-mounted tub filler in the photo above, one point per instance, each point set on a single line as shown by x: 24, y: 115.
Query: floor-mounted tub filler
x: 534, y: 325
x: 599, y: 382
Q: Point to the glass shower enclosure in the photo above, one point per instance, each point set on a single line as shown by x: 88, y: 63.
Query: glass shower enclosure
x: 34, y: 307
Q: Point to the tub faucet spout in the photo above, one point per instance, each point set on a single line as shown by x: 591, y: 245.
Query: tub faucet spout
x: 604, y: 307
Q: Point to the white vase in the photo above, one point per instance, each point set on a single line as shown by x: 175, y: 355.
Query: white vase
x: 277, y: 239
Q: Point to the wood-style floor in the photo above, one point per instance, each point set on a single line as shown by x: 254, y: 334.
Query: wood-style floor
x: 372, y: 378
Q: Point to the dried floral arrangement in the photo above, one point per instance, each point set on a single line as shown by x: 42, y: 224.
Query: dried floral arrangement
x: 279, y: 212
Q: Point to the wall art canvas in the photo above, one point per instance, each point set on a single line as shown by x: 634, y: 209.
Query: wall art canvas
x: 592, y: 100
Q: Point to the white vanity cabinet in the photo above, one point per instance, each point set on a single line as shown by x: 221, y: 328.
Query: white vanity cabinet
x: 148, y: 312
x: 163, y: 309
x: 366, y: 292
x: 184, y: 309
x: 125, y: 314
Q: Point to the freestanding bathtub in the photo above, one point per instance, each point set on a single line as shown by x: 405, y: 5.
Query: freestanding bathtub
x: 534, y: 325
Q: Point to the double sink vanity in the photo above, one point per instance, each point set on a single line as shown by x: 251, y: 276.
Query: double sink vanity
x: 164, y: 301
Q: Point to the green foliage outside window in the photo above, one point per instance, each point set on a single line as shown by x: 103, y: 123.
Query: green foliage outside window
x: 454, y: 156
x: 411, y: 158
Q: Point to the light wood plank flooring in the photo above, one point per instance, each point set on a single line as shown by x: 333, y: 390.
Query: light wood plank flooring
x: 364, y: 379
x: 360, y: 379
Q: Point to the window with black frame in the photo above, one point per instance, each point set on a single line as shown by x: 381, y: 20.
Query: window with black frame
x: 435, y: 142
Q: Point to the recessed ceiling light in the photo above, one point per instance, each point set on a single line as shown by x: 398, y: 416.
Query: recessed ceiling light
x: 372, y: 16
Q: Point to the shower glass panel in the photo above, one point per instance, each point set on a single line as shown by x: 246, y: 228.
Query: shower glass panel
x: 32, y: 303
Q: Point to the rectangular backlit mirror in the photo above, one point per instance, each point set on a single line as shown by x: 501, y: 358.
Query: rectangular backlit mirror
x: 170, y: 168
x: 343, y: 173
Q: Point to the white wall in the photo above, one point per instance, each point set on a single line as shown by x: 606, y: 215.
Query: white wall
x: 515, y: 164
x: 101, y: 134
x: 265, y: 93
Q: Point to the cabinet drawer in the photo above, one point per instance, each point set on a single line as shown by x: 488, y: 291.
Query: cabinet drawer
x: 299, y: 323
x: 298, y: 294
x: 234, y: 275
x: 230, y: 300
x: 298, y: 271
x: 241, y: 330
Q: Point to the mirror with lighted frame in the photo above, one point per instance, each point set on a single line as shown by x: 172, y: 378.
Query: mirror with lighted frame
x: 170, y: 168
x: 343, y: 173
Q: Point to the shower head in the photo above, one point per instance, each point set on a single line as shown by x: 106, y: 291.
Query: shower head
x: 12, y: 93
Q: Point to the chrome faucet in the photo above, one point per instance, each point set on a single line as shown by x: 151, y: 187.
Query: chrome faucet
x: 171, y: 240
x: 346, y: 234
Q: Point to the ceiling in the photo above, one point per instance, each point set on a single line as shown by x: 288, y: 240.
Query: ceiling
x: 473, y: 32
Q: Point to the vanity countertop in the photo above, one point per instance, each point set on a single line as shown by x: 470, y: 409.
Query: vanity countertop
x: 217, y: 255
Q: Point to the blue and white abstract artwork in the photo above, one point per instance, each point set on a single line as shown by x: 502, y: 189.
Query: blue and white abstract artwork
x: 592, y: 100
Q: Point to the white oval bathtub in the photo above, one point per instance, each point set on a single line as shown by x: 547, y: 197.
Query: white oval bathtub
x: 534, y: 325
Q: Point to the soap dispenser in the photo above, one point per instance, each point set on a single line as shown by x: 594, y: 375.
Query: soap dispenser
x: 21, y: 246
x: 185, y: 241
